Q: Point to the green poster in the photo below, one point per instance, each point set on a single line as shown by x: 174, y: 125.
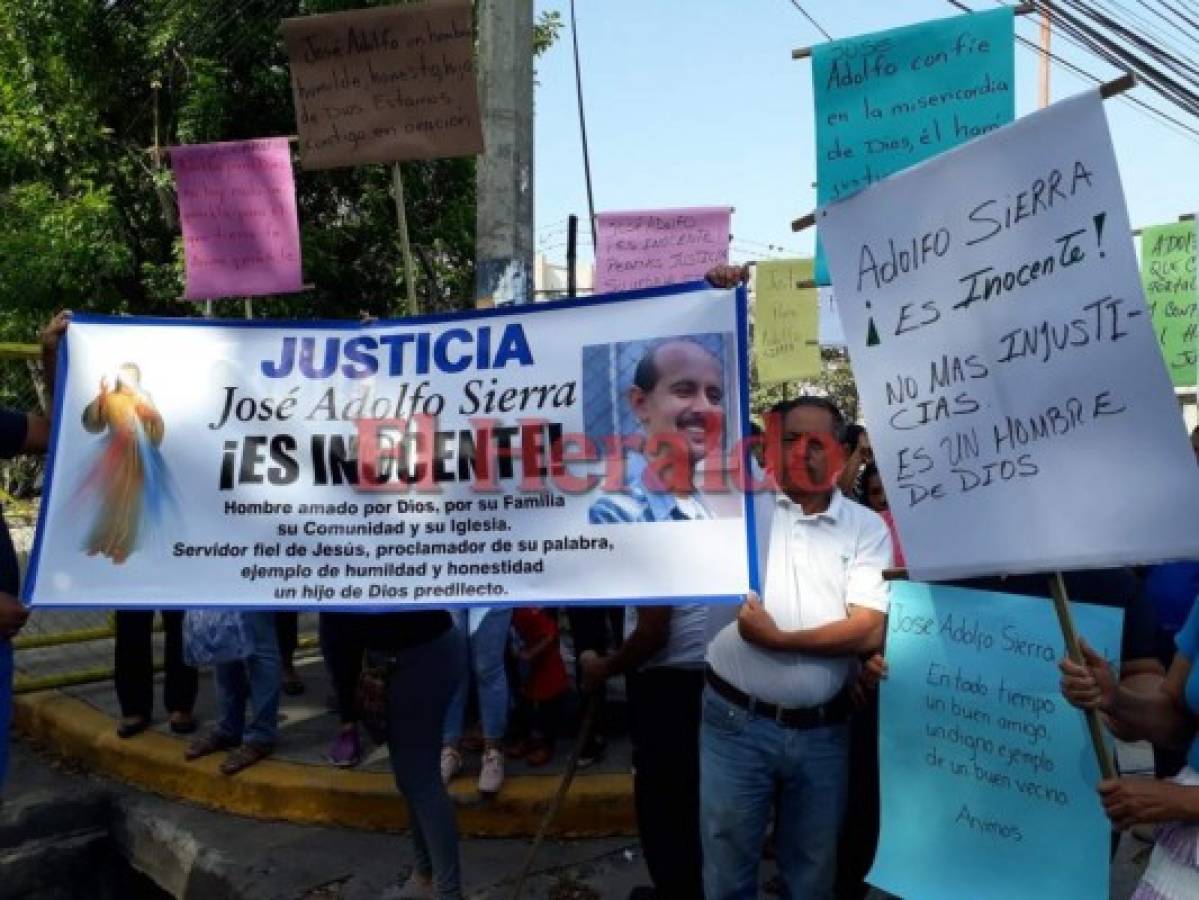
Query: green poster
x: 1168, y: 276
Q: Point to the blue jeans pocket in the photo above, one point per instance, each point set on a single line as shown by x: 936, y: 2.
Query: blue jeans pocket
x: 722, y: 716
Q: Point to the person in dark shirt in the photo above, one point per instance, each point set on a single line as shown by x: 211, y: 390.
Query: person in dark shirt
x: 20, y: 433
x: 419, y: 650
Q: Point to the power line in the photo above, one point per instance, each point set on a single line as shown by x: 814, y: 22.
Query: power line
x: 1163, y: 118
x: 815, y: 24
x: 574, y: 37
x: 1174, y: 79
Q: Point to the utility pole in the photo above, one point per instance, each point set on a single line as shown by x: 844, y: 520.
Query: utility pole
x: 504, y: 177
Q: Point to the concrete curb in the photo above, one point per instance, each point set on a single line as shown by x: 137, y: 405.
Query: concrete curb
x: 597, y: 805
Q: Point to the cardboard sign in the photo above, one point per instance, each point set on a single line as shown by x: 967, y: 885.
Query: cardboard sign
x: 384, y: 84
x: 1014, y: 390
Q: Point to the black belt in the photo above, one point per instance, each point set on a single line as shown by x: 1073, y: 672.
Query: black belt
x: 834, y: 712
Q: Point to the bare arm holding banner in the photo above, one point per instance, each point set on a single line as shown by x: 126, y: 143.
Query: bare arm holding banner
x: 649, y: 637
x: 1145, y: 707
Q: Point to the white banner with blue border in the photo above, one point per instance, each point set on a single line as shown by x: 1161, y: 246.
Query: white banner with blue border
x: 578, y: 452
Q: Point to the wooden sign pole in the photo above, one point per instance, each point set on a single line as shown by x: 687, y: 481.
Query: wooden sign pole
x: 405, y: 245
x: 1023, y: 9
x: 1061, y: 605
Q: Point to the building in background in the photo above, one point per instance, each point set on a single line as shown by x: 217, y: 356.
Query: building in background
x: 550, y: 278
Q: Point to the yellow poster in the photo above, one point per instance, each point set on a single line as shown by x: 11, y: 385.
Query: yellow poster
x: 786, y: 321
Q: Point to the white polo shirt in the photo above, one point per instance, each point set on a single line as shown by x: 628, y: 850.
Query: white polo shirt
x: 813, y: 569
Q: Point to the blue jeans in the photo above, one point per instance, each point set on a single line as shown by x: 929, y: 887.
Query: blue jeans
x: 749, y: 764
x: 481, y: 636
x: 422, y: 681
x: 5, y: 704
x: 255, y: 678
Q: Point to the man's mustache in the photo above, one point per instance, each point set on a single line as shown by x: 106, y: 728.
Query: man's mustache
x: 698, y: 420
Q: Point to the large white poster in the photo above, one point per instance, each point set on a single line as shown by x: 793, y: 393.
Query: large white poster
x: 1014, y: 392
x: 574, y: 452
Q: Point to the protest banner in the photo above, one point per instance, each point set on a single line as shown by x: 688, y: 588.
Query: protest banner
x: 1011, y: 381
x: 1168, y: 276
x: 786, y: 321
x: 438, y: 461
x: 636, y: 250
x: 384, y: 84
x: 974, y: 733
x: 237, y: 207
x: 890, y: 99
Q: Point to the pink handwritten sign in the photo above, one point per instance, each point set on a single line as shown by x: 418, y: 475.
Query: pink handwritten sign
x: 655, y: 247
x: 237, y: 205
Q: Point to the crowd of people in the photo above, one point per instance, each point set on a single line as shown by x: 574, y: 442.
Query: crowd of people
x: 753, y: 728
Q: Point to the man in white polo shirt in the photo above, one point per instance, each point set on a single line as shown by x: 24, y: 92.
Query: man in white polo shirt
x: 776, y: 706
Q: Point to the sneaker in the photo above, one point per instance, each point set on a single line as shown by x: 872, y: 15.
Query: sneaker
x: 592, y: 752
x: 451, y: 764
x: 346, y: 750
x: 491, y: 776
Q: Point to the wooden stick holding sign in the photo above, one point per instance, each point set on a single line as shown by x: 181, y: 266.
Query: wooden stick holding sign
x: 1061, y: 605
x: 1023, y: 9
x: 1186, y: 217
x: 405, y: 245
x: 1107, y: 90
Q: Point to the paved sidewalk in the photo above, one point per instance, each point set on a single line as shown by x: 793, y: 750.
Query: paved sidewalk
x: 198, y: 854
x: 201, y: 854
x: 286, y: 860
x: 307, y: 726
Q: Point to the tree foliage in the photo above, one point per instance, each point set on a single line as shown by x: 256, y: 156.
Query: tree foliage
x: 87, y: 214
x: 835, y: 381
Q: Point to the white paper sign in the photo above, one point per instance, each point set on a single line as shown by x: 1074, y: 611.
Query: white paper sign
x: 831, y: 332
x: 1012, y: 384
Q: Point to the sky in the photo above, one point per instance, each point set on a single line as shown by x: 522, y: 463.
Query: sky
x: 698, y: 103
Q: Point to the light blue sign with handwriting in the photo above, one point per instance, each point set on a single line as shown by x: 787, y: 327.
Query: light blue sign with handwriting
x: 988, y: 776
x: 890, y: 99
